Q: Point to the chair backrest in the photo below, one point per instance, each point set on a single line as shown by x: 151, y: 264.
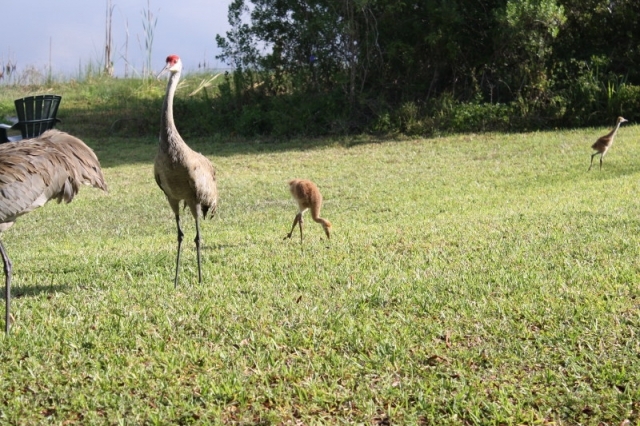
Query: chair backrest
x: 37, y: 114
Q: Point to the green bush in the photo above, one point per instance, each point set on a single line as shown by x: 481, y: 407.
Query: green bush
x: 102, y: 107
x: 626, y: 102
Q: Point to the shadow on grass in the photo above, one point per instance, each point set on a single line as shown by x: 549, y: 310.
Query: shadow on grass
x: 614, y: 170
x: 26, y: 290
x: 118, y: 151
x: 127, y: 132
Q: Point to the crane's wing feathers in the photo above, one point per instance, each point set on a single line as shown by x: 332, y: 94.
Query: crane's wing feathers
x: 82, y: 163
x: 203, y: 181
x: 37, y: 170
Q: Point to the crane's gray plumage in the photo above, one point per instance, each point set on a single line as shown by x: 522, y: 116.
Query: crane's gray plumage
x: 182, y: 174
x: 34, y: 171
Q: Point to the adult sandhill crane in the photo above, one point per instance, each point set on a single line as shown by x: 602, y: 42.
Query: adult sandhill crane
x: 183, y: 174
x: 602, y: 145
x: 34, y: 171
x: 308, y: 196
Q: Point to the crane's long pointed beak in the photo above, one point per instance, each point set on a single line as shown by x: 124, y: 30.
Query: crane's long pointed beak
x: 162, y: 72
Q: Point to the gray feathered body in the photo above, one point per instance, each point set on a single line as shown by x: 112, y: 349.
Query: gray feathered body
x: 183, y: 174
x: 186, y: 175
x: 51, y: 166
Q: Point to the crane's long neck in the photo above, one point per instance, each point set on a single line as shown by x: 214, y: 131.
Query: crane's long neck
x: 615, y: 130
x: 168, y: 133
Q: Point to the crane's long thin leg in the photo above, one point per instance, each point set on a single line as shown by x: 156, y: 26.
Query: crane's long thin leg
x: 7, y: 288
x: 601, y: 158
x: 592, y: 155
x: 300, y: 223
x: 180, y: 237
x: 295, y: 222
x: 197, y: 241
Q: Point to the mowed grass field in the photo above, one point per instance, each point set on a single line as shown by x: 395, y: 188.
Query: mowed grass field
x: 470, y: 279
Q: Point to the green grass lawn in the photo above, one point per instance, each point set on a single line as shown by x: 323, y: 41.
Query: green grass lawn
x: 471, y: 279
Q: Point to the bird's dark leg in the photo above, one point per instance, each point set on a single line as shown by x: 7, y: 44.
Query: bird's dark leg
x: 295, y: 222
x: 180, y: 237
x: 601, y: 158
x: 300, y: 223
x: 592, y: 155
x: 7, y: 288
x: 197, y: 241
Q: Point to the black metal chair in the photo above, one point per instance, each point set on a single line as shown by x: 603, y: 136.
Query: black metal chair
x: 36, y: 114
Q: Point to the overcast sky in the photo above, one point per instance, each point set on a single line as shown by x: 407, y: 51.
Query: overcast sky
x: 74, y: 32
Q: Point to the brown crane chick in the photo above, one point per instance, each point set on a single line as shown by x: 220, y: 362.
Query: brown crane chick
x: 34, y: 171
x: 182, y: 174
x: 602, y: 145
x: 308, y: 197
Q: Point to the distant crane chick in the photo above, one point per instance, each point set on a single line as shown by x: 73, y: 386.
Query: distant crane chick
x: 602, y: 145
x: 308, y: 196
x: 34, y: 171
x: 181, y: 173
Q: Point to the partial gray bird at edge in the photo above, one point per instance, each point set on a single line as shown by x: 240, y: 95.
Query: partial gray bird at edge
x: 34, y: 171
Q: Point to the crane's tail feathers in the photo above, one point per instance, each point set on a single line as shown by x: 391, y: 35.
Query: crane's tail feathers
x: 80, y: 160
x: 69, y: 191
x: 209, y: 209
x: 205, y: 209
